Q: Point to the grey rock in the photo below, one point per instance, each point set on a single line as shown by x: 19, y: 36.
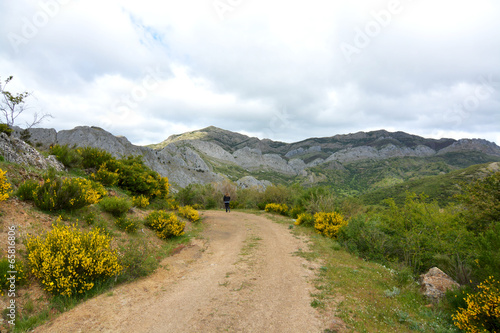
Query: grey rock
x: 435, y: 283
x: 15, y: 150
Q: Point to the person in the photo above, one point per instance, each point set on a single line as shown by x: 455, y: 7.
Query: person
x: 227, y: 199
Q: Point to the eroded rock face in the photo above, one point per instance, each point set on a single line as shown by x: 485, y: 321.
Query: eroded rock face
x: 17, y: 151
x: 435, y: 283
x: 252, y: 182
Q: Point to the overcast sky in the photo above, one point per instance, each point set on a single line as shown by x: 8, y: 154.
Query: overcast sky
x: 284, y: 70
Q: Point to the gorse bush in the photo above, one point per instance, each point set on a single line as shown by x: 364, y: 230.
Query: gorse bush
x: 277, y: 208
x: 165, y: 224
x: 483, y: 309
x: 67, y: 156
x: 68, y: 261
x: 140, y: 201
x: 67, y: 193
x: 129, y: 225
x: 116, y: 206
x: 4, y: 186
x: 105, y: 176
x: 28, y: 190
x: 93, y: 158
x: 4, y: 275
x: 329, y: 224
x: 190, y: 213
x: 305, y: 219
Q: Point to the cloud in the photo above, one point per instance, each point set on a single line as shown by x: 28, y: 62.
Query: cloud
x: 279, y: 70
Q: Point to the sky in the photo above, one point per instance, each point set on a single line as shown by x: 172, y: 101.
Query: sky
x: 283, y: 70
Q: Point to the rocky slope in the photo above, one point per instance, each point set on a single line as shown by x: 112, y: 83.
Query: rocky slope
x: 212, y: 154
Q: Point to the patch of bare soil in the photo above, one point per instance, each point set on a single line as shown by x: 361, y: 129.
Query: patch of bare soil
x: 240, y: 276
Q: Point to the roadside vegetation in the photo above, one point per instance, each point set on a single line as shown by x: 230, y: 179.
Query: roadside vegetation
x: 372, y: 247
x: 104, y: 222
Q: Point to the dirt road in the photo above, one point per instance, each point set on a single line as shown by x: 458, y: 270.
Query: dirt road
x: 241, y: 276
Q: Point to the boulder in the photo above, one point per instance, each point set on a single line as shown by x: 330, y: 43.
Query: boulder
x: 435, y: 283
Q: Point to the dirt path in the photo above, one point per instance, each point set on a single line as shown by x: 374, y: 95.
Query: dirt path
x: 241, y: 276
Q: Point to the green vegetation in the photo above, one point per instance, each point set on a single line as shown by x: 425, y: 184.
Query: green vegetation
x: 88, y: 251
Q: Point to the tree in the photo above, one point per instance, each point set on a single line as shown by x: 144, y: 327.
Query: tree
x: 13, y: 105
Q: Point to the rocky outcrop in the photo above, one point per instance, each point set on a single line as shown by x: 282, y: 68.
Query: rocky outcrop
x: 252, y: 182
x: 17, y: 151
x: 435, y: 283
x: 480, y: 145
x: 387, y: 151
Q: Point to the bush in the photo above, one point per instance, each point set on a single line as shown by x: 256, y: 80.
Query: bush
x: 277, y: 208
x: 116, y: 206
x: 105, y: 176
x: 68, y: 261
x: 5, y: 266
x: 4, y: 128
x: 483, y: 309
x: 28, y: 190
x: 165, y: 224
x: 4, y: 186
x: 328, y: 224
x: 305, y: 219
x: 93, y: 158
x: 127, y: 224
x: 190, y: 213
x: 137, y: 260
x: 140, y: 201
x: 67, y: 193
x: 67, y: 156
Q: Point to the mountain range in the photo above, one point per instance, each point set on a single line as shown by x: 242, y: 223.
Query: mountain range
x: 213, y: 155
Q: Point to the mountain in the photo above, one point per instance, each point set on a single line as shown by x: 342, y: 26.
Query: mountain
x: 350, y: 163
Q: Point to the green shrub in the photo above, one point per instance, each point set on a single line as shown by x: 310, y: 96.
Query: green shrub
x: 68, y: 261
x: 4, y: 128
x: 165, y: 224
x: 6, y: 266
x: 140, y: 201
x: 137, y: 261
x: 67, y: 156
x: 129, y: 225
x: 105, y: 176
x: 305, y: 219
x: 28, y: 190
x: 93, y: 158
x: 67, y: 193
x: 116, y: 206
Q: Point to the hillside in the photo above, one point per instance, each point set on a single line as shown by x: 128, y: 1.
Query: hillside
x: 349, y: 164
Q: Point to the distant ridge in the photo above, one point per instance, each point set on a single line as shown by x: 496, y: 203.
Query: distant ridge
x: 348, y: 162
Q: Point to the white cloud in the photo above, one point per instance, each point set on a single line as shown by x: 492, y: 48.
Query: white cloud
x: 147, y: 70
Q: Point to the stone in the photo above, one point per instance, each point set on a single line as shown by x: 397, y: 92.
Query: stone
x: 435, y: 283
x: 15, y: 150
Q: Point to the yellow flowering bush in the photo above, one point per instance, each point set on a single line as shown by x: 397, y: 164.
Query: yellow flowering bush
x: 67, y: 193
x: 190, y: 213
x: 4, y: 186
x: 105, y: 176
x: 5, y: 266
x: 277, y: 208
x: 304, y: 219
x: 68, y: 261
x: 129, y: 225
x: 329, y: 224
x: 165, y: 224
x: 140, y: 201
x: 483, y: 309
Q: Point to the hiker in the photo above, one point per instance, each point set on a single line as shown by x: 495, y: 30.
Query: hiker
x: 227, y: 198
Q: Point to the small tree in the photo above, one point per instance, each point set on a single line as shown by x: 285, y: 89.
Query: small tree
x: 13, y: 105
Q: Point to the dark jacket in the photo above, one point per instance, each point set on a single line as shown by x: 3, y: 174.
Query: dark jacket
x: 226, y: 199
